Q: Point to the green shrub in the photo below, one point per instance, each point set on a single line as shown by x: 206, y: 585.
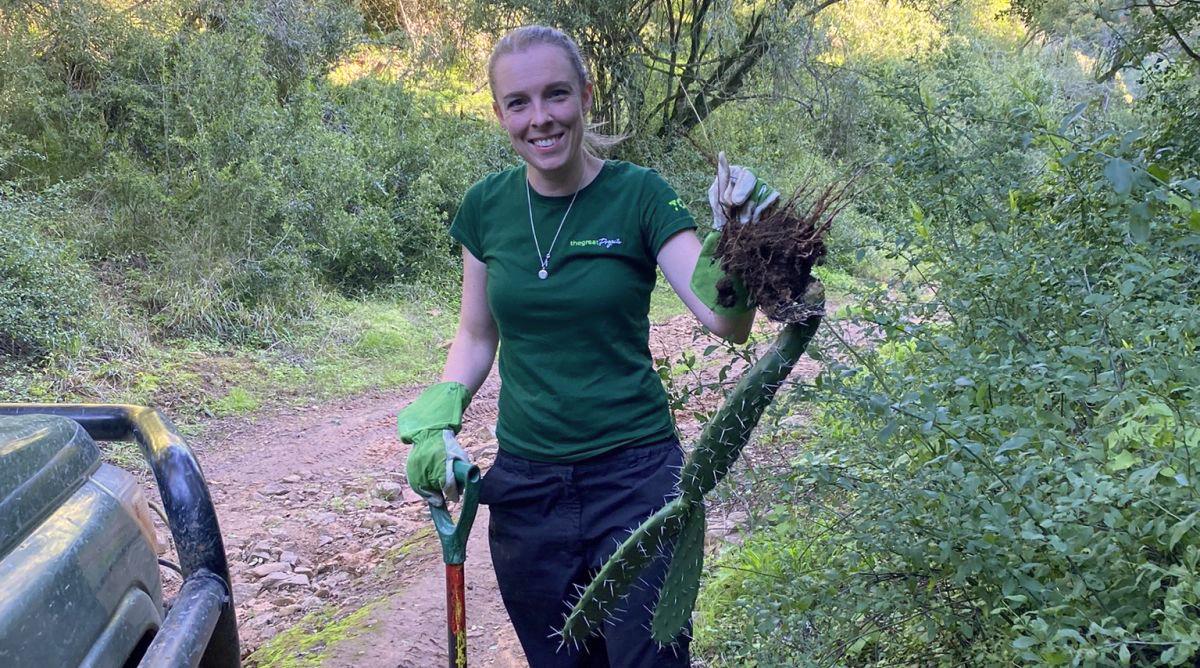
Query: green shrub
x: 51, y: 64
x: 47, y: 294
x: 231, y: 177
x: 1170, y: 113
x: 415, y: 190
x: 1004, y: 473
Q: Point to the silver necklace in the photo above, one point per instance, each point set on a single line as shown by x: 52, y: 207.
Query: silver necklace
x: 544, y: 260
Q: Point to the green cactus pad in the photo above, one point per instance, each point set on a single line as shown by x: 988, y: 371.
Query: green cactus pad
x: 727, y: 433
x: 677, y: 598
x: 618, y: 574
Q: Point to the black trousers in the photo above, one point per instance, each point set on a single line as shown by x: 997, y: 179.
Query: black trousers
x: 553, y: 524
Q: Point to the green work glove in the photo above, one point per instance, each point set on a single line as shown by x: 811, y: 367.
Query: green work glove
x: 708, y: 274
x: 735, y: 195
x: 430, y: 423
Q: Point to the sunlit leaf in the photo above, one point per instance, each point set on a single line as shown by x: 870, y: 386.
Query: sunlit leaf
x: 1125, y: 459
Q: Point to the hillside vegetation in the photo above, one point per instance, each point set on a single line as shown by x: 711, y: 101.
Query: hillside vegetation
x: 214, y: 204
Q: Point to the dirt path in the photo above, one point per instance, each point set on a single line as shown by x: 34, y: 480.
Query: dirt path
x: 328, y: 547
x: 317, y: 518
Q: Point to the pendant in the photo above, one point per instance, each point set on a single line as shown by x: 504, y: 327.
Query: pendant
x: 542, y: 274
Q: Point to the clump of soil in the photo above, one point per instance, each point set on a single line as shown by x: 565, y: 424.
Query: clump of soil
x: 775, y: 256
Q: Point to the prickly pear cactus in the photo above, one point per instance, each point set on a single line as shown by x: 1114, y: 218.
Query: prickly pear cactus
x: 603, y: 596
x: 677, y: 597
x: 682, y: 520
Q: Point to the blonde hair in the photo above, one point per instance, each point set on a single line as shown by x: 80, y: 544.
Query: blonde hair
x: 522, y: 38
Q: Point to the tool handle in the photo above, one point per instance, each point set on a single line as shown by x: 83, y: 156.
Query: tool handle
x: 456, y: 615
x: 453, y: 535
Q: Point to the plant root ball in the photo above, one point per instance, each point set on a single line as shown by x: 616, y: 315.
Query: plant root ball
x: 774, y: 258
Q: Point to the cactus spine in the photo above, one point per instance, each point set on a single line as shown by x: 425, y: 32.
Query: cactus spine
x: 718, y: 448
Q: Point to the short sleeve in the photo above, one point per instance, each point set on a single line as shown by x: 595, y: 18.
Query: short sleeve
x: 665, y: 212
x: 465, y: 227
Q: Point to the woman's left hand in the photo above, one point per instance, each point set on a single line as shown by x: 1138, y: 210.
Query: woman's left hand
x: 737, y: 194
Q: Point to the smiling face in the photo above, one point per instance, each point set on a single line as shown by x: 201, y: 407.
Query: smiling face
x: 541, y: 102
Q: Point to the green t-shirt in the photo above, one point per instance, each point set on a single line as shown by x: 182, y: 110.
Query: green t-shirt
x: 576, y: 375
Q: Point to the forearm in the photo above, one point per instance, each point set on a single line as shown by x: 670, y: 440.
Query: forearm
x: 470, y: 358
x: 475, y: 342
x: 733, y: 328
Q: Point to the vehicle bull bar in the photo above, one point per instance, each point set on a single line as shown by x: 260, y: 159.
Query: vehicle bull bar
x: 201, y: 627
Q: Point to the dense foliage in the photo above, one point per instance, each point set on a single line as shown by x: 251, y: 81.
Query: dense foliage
x: 997, y: 466
x: 1003, y: 472
x: 219, y: 165
x: 46, y: 297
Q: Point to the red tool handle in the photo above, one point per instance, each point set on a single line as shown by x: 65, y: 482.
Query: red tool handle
x: 456, y: 615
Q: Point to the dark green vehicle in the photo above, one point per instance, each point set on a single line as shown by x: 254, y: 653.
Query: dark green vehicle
x: 79, y: 574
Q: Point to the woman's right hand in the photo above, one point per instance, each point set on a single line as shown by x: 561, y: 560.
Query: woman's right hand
x: 430, y: 423
x: 430, y: 466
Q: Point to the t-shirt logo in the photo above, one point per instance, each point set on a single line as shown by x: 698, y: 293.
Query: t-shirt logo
x: 602, y: 241
x: 677, y: 204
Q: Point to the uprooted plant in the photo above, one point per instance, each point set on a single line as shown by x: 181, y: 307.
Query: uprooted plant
x: 774, y: 259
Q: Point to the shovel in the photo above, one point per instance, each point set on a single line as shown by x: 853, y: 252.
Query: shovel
x: 454, y: 552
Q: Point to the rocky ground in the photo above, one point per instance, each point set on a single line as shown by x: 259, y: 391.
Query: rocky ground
x: 333, y: 558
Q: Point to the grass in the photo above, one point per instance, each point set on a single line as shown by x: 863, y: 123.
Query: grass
x: 306, y: 643
x: 124, y: 454
x: 381, y: 344
x: 353, y: 346
x: 239, y: 400
x: 421, y: 542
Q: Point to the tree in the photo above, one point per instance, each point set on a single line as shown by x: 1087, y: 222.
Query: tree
x: 662, y: 66
x: 1129, y: 30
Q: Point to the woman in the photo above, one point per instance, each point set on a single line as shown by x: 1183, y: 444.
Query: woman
x: 559, y: 259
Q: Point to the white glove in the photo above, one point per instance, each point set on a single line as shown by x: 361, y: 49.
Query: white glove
x: 736, y: 194
x: 454, y: 451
